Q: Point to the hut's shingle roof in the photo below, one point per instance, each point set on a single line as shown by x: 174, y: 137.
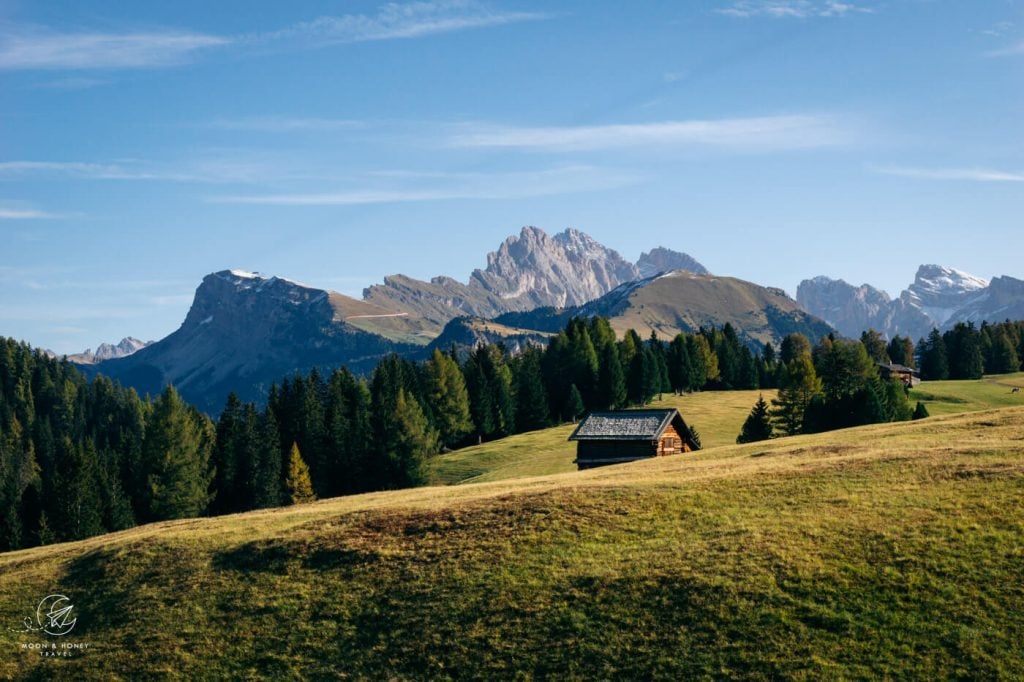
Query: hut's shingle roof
x: 623, y: 425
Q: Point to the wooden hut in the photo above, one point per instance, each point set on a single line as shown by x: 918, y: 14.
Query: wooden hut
x: 628, y: 435
x: 907, y: 375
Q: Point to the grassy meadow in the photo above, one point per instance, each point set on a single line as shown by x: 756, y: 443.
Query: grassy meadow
x: 887, y: 551
x: 717, y: 415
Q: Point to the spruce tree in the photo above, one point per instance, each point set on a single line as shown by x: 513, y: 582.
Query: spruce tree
x: 799, y: 386
x: 574, y: 404
x: 448, y: 398
x: 875, y: 346
x: 933, y: 358
x: 414, y: 443
x: 177, y: 456
x: 758, y: 425
x: 612, y: 380
x: 532, y: 407
x: 297, y: 484
x: 679, y: 364
x: 920, y: 412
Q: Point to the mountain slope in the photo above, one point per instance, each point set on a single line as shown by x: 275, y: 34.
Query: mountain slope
x: 245, y: 331
x: 675, y: 302
x: 939, y: 297
x: 827, y: 556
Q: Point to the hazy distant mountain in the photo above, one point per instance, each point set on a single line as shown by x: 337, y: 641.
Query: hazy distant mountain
x: 938, y: 298
x: 527, y: 271
x: 106, y: 351
x: 245, y: 331
x: 682, y: 301
x: 665, y: 260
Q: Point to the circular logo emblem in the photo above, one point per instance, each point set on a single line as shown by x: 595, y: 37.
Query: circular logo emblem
x: 54, y: 615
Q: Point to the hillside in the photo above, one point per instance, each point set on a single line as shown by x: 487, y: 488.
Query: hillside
x: 681, y: 301
x: 717, y: 415
x: 882, y: 551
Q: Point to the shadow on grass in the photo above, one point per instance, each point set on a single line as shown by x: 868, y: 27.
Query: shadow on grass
x: 279, y: 557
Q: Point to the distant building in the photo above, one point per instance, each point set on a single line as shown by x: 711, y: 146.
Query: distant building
x: 629, y: 435
x: 908, y: 375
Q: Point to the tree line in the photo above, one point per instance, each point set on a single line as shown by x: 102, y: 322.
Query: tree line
x: 836, y: 384
x: 79, y: 458
x: 968, y: 352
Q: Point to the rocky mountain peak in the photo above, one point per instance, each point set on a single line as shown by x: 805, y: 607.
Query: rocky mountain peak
x: 238, y: 298
x: 664, y: 260
x: 536, y: 269
x: 108, y: 351
x: 939, y: 297
x: 938, y: 280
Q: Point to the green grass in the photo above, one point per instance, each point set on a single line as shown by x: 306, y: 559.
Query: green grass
x: 717, y: 415
x: 953, y: 397
x: 889, y: 551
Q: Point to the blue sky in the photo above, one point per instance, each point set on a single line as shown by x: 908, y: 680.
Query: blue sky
x: 144, y: 145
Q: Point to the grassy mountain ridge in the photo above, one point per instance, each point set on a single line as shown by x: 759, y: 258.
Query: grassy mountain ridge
x: 883, y: 551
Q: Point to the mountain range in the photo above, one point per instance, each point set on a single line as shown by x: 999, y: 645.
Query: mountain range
x: 245, y: 330
x: 938, y: 298
x: 528, y: 271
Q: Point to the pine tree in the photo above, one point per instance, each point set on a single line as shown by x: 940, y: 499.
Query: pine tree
x: 448, y: 398
x: 574, y: 404
x: 793, y: 346
x: 920, y: 412
x: 901, y: 351
x: 415, y: 442
x: 177, y: 455
x: 933, y: 358
x: 297, y: 484
x: 612, y: 379
x: 226, y: 455
x: 875, y: 346
x: 268, y: 486
x: 679, y: 364
x: 1004, y: 355
x: 695, y: 435
x: 758, y: 425
x: 532, y: 408
x: 799, y: 386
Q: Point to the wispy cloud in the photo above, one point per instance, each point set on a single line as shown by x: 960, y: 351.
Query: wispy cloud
x: 440, y: 187
x: 10, y: 213
x: 225, y: 170
x: 1010, y: 51
x: 399, y: 20
x: 284, y: 124
x: 38, y: 48
x: 966, y: 174
x: 737, y: 134
x: 792, y: 9
x: 43, y: 48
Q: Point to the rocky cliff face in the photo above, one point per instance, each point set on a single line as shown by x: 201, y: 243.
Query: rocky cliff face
x: 665, y: 260
x: 529, y: 270
x: 245, y: 331
x: 568, y: 269
x: 845, y: 306
x: 938, y: 298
